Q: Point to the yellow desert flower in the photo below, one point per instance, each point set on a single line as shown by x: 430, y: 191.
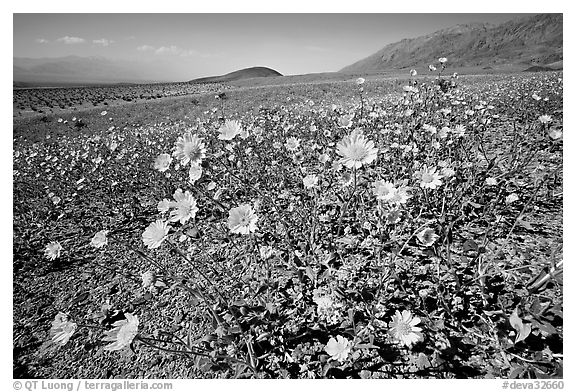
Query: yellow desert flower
x: 511, y: 198
x: 155, y: 234
x: 242, y: 220
x: 383, y: 190
x: 356, y: 150
x: 310, y: 181
x: 99, y: 240
x: 62, y: 329
x: 400, y: 196
x: 184, y: 207
x: 491, y: 181
x: 403, y: 328
x: 194, y: 173
x: 427, y: 237
x: 122, y: 334
x: 189, y: 148
x: 148, y: 279
x: 52, y: 251
x: 229, y: 130
x: 345, y: 121
x: 164, y: 205
x: 338, y: 348
x: 162, y: 162
x: 292, y: 144
x: 555, y: 134
x: 545, y: 119
x: 429, y: 178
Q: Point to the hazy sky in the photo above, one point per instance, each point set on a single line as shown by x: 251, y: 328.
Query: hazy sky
x: 195, y: 45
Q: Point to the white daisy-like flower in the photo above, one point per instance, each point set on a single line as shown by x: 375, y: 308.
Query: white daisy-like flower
x: 164, y: 205
x: 459, y: 130
x: 292, y: 144
x: 345, y: 121
x: 511, y: 198
x: 429, y: 128
x: 122, y: 334
x: 383, y: 190
x: 400, y: 196
x: 310, y: 181
x: 356, y: 150
x: 360, y: 81
x: 155, y: 234
x: 432, y: 68
x: 62, y: 329
x: 266, y: 252
x: 244, y: 133
x: 194, y: 173
x: 555, y: 134
x: 545, y: 119
x: 99, y: 240
x: 427, y: 237
x: 148, y: 279
x: 447, y: 172
x: 403, y: 328
x: 442, y: 60
x: 242, y: 220
x: 189, y: 148
x: 229, y: 130
x: 393, y: 216
x: 429, y: 178
x: 52, y: 251
x: 338, y: 348
x: 184, y: 208
x: 490, y: 181
x: 323, y: 158
x: 162, y: 162
x: 443, y: 133
x: 324, y: 302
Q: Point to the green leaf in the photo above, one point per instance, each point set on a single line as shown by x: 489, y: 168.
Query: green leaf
x: 470, y: 245
x: 310, y: 273
x: 422, y: 361
x: 522, y: 330
x: 525, y: 224
x: 516, y: 372
x: 544, y: 326
x: 350, y: 241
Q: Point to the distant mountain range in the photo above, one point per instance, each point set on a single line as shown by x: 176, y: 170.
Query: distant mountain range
x: 71, y: 70
x: 525, y: 42
x: 76, y: 69
x: 246, y: 73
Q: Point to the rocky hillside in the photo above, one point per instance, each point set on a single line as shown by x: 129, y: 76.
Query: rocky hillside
x: 528, y: 41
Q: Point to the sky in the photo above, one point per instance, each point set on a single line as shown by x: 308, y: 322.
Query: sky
x: 187, y: 46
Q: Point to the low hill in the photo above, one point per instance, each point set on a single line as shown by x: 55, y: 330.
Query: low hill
x: 247, y: 73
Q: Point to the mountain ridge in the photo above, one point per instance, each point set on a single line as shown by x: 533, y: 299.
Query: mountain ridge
x: 533, y: 40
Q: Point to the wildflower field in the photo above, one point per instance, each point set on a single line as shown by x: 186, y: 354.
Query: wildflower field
x: 369, y: 228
